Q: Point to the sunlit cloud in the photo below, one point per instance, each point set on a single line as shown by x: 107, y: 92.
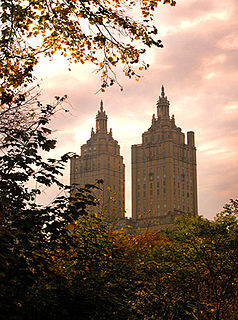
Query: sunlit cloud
x: 210, y: 75
x: 222, y: 15
x: 231, y: 107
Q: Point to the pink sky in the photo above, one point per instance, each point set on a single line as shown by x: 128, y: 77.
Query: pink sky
x: 198, y: 67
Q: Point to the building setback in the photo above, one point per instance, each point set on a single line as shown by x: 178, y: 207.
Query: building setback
x: 100, y: 159
x: 164, y: 174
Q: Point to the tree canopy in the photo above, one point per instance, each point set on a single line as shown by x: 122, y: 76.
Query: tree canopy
x: 102, y: 32
x: 189, y: 272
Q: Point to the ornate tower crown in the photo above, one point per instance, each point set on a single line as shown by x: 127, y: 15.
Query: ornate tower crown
x: 163, y: 106
x: 101, y: 120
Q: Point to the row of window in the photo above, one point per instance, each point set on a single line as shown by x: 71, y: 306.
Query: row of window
x: 161, y: 213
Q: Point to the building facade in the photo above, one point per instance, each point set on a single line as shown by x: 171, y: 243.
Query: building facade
x: 164, y: 174
x: 100, y: 159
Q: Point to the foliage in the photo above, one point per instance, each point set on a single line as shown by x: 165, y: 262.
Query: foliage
x: 97, y: 272
x: 194, y: 273
x: 186, y: 273
x: 27, y: 228
x: 80, y: 30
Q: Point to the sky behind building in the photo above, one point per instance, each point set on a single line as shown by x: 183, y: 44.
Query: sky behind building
x: 198, y: 67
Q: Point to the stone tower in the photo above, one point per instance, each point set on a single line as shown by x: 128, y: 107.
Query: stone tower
x: 100, y: 159
x: 164, y: 174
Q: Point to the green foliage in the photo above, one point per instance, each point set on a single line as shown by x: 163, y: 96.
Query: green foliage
x: 28, y: 229
x: 193, y: 273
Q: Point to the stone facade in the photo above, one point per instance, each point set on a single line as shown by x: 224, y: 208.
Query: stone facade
x: 164, y: 174
x: 100, y: 159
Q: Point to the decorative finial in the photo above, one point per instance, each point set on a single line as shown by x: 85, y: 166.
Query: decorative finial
x: 153, y: 118
x: 101, y: 106
x: 162, y: 92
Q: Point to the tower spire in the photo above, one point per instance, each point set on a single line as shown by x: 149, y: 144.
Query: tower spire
x: 101, y: 120
x: 162, y: 92
x: 101, y: 105
x: 163, y: 106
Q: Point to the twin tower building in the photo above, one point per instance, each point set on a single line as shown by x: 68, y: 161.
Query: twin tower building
x: 164, y: 174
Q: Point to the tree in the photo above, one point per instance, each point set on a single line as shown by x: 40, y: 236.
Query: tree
x: 28, y: 230
x: 193, y: 272
x: 101, y: 32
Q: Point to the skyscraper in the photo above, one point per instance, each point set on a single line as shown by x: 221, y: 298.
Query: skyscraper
x: 164, y: 175
x: 100, y: 159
